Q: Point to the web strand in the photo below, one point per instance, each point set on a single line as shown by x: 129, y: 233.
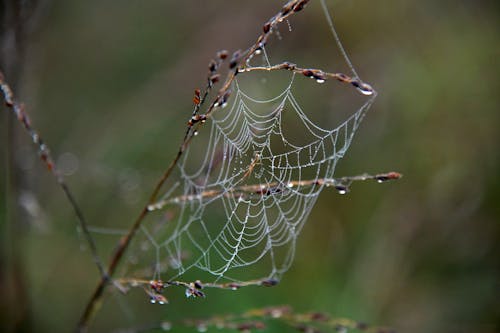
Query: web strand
x: 337, y: 39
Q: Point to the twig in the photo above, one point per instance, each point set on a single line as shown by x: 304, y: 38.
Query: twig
x: 159, y: 285
x: 317, y: 74
x: 154, y: 288
x: 341, y: 184
x: 44, y: 152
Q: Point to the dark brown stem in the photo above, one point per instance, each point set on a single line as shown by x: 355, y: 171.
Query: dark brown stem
x: 124, y: 283
x: 44, y: 152
x: 316, y: 74
x: 342, y: 184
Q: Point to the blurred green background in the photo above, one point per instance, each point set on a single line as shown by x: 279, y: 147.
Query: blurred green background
x: 109, y: 86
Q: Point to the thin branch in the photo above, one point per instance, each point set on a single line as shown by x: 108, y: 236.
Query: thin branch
x: 44, y: 152
x: 340, y: 184
x: 317, y: 74
x: 159, y: 285
x: 155, y: 288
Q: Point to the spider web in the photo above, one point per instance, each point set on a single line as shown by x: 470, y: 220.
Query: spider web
x: 242, y: 194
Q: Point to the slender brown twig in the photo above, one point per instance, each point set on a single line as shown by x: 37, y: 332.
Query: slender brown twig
x: 155, y: 288
x: 44, y: 152
x: 341, y: 184
x: 316, y: 74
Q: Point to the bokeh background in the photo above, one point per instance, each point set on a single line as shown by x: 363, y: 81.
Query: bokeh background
x: 109, y: 85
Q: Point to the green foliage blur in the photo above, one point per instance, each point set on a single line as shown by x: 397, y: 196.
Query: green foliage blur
x: 109, y: 86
